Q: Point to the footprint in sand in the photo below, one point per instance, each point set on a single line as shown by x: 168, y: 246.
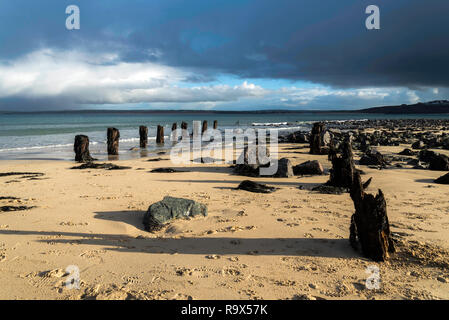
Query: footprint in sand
x: 49, y: 278
x: 130, y: 280
x: 73, y: 224
x: 93, y: 254
x: 2, y: 252
x: 213, y: 257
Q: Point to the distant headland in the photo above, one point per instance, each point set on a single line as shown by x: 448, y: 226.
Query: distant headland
x: 431, y: 107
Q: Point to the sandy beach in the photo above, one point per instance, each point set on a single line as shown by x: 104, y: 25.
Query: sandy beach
x: 291, y: 244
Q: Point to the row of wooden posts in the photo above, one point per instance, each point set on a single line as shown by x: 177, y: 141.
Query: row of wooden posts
x: 81, y: 146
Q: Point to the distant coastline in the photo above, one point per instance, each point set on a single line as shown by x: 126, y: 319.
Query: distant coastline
x: 431, y: 107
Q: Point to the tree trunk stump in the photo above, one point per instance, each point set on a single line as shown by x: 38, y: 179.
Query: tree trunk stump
x: 204, y: 128
x: 343, y: 168
x: 113, y: 141
x: 316, y: 138
x: 81, y: 148
x: 215, y: 124
x: 143, y: 133
x: 160, y: 135
x: 369, y: 224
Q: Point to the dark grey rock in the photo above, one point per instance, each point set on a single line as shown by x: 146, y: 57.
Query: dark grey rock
x: 170, y: 208
x: 426, y: 155
x: 439, y: 162
x: 373, y: 159
x: 326, y: 189
x: 418, y: 145
x: 252, y: 186
x: 312, y: 167
x: 15, y: 208
x: 443, y: 179
x: 165, y: 170
x: 407, y: 152
x: 285, y: 168
x: 107, y: 166
x: 249, y: 162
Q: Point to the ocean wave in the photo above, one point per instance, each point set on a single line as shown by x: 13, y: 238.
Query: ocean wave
x: 269, y: 124
x: 36, y: 147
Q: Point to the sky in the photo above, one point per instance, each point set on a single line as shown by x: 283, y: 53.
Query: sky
x: 222, y: 54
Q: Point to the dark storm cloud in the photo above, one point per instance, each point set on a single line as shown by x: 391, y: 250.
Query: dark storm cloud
x: 320, y: 41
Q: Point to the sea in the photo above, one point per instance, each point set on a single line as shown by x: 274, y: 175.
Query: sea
x: 50, y: 135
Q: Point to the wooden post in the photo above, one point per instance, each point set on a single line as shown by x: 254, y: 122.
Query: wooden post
x: 215, y: 124
x: 160, y: 134
x: 204, y: 128
x: 143, y: 132
x: 173, y: 136
x: 315, y: 138
x: 81, y: 148
x: 185, y: 132
x: 113, y: 141
x: 369, y: 223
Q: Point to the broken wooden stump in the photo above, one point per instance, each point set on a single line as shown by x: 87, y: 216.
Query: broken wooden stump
x: 343, y: 168
x: 215, y: 124
x: 143, y: 133
x: 369, y: 224
x: 113, y: 141
x: 160, y: 135
x: 81, y: 148
x: 184, y: 125
x: 316, y: 140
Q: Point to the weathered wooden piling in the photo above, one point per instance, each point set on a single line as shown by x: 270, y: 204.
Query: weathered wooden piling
x: 173, y: 135
x: 369, y: 224
x: 143, y: 133
x: 113, y: 141
x: 81, y: 148
x: 215, y: 124
x: 160, y: 134
x: 204, y: 128
x: 185, y: 132
x: 316, y: 140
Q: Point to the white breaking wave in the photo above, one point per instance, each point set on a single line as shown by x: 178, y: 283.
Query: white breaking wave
x: 269, y: 124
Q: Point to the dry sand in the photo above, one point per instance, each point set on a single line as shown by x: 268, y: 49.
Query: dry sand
x: 291, y: 244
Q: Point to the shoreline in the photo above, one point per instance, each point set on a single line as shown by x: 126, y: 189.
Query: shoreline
x: 131, y: 144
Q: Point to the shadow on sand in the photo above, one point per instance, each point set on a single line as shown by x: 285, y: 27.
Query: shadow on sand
x: 425, y: 180
x: 318, y: 247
